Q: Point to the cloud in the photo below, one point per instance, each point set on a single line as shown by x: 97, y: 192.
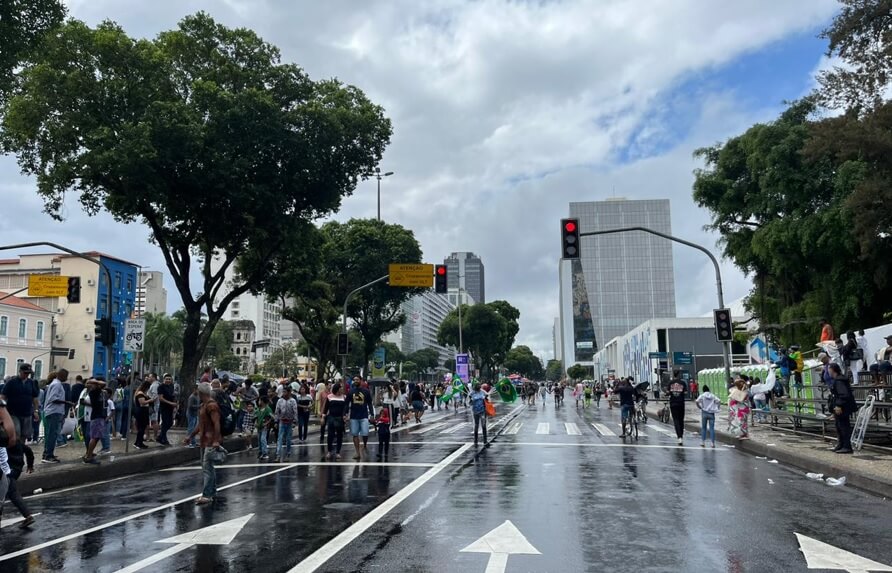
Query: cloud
x: 505, y: 111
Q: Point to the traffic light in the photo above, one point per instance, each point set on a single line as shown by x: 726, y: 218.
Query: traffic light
x: 569, y: 238
x: 74, y: 290
x: 724, y: 330
x: 343, y: 344
x: 441, y: 285
x: 104, y: 332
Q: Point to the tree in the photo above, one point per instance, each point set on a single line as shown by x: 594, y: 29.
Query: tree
x: 164, y: 337
x: 578, y: 372
x: 410, y: 369
x: 23, y: 25
x: 203, y: 135
x: 392, y: 352
x: 521, y: 360
x: 425, y: 358
x: 449, y: 364
x: 283, y: 360
x: 512, y: 327
x: 357, y: 252
x: 554, y: 371
x: 484, y: 332
x: 861, y: 36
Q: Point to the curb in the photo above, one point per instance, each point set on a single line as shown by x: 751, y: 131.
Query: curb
x: 131, y: 464
x: 863, y: 482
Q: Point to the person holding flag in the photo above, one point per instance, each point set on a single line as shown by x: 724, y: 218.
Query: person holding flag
x: 478, y: 406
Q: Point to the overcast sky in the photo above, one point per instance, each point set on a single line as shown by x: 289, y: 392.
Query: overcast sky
x: 503, y: 113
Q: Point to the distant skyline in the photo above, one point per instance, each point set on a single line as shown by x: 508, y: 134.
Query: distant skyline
x: 503, y: 113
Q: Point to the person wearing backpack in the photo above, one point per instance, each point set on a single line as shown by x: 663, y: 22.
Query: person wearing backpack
x: 209, y: 430
x: 286, y: 414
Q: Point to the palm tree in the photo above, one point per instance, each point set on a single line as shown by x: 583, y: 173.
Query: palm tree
x: 164, y: 336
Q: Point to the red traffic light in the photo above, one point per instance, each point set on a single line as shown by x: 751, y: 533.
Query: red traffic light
x: 570, y: 226
x: 441, y: 271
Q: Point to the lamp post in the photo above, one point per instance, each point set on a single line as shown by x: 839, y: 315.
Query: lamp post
x: 379, y: 176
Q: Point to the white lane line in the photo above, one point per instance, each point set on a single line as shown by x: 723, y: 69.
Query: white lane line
x: 8, y: 522
x: 572, y: 429
x: 443, y: 443
x: 604, y: 430
x: 73, y: 488
x: 542, y: 428
x: 457, y: 428
x: 319, y: 557
x: 410, y: 425
x: 514, y: 428
x: 152, y: 559
x: 427, y: 429
x: 593, y: 445
x: 305, y: 464
x: 136, y: 515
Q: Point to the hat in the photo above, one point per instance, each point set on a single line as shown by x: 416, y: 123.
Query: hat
x: 888, y: 337
x: 25, y: 367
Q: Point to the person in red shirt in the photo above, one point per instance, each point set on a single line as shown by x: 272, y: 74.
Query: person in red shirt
x: 827, y: 334
x: 209, y: 430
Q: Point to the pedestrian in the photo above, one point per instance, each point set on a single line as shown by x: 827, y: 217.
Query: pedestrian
x: 391, y: 402
x: 154, y: 384
x: 826, y: 331
x: 843, y: 405
x: 263, y: 418
x: 695, y: 389
x: 249, y: 424
x: 247, y: 394
x: 709, y: 405
x: 118, y: 393
x: 588, y: 396
x: 383, y: 425
x: 286, y: 414
x: 333, y: 416
x: 404, y: 403
x: 167, y: 406
x: 210, y: 437
x: 319, y: 396
x: 17, y: 456
x: 304, y: 406
x: 738, y: 410
x: 598, y: 392
x: 124, y: 428
x: 21, y: 395
x: 478, y: 408
x: 677, y: 391
x: 142, y: 406
x: 416, y: 397
x: 109, y: 423
x: 193, y: 405
x: 361, y: 415
x: 98, y: 414
x: 83, y: 415
x: 55, y: 409
x: 579, y: 394
x: 322, y: 394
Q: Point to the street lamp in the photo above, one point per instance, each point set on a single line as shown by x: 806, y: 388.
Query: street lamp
x: 379, y: 176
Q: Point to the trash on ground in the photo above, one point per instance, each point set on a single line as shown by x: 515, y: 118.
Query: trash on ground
x: 816, y: 477
x: 761, y: 458
x: 836, y: 482
x: 771, y: 481
x: 772, y: 461
x: 769, y: 444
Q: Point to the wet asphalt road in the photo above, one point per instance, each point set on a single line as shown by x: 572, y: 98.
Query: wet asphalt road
x: 585, y: 499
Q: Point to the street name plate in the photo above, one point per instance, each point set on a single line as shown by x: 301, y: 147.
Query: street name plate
x: 408, y: 275
x: 658, y: 355
x: 47, y: 285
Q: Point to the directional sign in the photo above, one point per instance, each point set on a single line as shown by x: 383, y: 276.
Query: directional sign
x: 820, y: 555
x: 462, y: 368
x: 406, y: 275
x: 658, y: 355
x: 219, y: 534
x: 47, y: 285
x: 134, y: 334
x: 501, y: 542
x: 682, y: 358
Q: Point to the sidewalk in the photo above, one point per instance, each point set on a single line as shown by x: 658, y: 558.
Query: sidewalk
x: 868, y: 470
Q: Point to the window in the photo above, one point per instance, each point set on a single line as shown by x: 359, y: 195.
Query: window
x: 117, y: 281
x: 116, y: 307
x: 129, y: 284
x: 3, y: 367
x: 38, y: 369
x: 39, y: 330
x: 4, y: 325
x: 23, y: 327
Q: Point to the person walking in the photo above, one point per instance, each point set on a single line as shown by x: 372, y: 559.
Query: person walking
x: 54, y: 410
x: 844, y: 405
x: 333, y: 417
x: 478, y: 408
x: 738, y: 410
x: 193, y: 406
x: 678, y: 388
x: 383, y: 424
x: 709, y: 405
x: 142, y: 406
x: 210, y: 437
x: 263, y: 418
x: 17, y: 455
x: 167, y: 406
x: 154, y: 384
x: 304, y: 405
x: 98, y: 412
x: 361, y: 413
x: 21, y: 396
x: 286, y: 414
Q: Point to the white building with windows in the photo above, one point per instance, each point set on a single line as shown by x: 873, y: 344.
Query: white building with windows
x: 26, y: 334
x: 424, y: 313
x: 151, y: 296
x: 242, y: 339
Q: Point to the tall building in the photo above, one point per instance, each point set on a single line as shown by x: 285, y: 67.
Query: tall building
x: 620, y: 280
x: 73, y: 323
x: 556, y: 338
x: 151, y: 296
x: 465, y: 270
x: 424, y: 313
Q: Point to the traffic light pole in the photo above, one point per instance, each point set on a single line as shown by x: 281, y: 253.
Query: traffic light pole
x: 726, y: 346
x: 344, y: 317
x: 108, y: 293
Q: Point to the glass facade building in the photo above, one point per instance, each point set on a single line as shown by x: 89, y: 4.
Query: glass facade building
x: 466, y: 270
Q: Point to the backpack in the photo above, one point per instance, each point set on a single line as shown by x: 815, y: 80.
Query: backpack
x: 796, y: 357
x: 227, y: 414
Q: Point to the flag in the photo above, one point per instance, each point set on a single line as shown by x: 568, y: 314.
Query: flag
x: 507, y: 390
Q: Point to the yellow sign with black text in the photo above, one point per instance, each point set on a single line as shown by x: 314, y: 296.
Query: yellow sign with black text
x: 409, y: 275
x: 47, y: 285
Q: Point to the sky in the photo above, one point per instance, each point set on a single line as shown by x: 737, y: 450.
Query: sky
x: 504, y: 111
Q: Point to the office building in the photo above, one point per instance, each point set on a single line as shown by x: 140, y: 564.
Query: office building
x: 620, y: 280
x: 151, y: 296
x: 465, y: 270
x: 25, y: 336
x: 424, y: 313
x: 556, y: 338
x: 74, y: 323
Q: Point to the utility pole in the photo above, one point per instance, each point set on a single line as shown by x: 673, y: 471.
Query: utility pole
x: 344, y: 317
x: 379, y: 176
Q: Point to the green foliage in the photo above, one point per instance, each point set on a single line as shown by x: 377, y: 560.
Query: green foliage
x: 164, y: 339
x: 410, y: 369
x: 392, y: 353
x: 23, y: 25
x: 488, y: 331
x: 554, y: 371
x: 578, y: 372
x: 287, y: 357
x: 449, y: 364
x: 521, y: 360
x: 425, y: 358
x: 203, y: 135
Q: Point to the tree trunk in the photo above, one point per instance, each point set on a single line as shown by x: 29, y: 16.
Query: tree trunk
x: 195, y: 343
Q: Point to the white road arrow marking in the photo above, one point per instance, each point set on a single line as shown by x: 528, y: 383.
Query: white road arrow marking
x: 501, y: 542
x: 218, y: 534
x: 820, y: 555
x: 8, y: 522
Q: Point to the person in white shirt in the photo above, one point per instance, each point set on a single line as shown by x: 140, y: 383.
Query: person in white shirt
x: 709, y: 405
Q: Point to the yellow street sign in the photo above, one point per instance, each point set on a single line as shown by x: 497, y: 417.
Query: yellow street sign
x: 407, y: 275
x: 47, y: 285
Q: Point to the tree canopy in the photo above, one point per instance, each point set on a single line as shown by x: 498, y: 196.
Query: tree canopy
x: 521, y: 360
x: 488, y: 331
x: 578, y: 372
x: 23, y: 25
x: 202, y: 134
x: 554, y: 371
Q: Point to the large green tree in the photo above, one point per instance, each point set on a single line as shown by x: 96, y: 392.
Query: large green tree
x: 164, y: 339
x: 485, y: 333
x: 521, y: 360
x: 554, y: 370
x: 23, y: 25
x: 203, y: 135
x: 425, y: 358
x: 578, y: 372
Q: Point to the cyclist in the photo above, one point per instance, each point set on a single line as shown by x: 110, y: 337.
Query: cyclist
x: 626, y: 402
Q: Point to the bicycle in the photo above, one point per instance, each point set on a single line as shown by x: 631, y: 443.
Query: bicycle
x: 641, y: 410
x: 633, y: 423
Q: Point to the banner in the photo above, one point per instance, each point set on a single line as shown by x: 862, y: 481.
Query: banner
x: 379, y: 364
x: 462, y: 366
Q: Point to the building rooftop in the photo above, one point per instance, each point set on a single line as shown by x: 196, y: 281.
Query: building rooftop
x: 22, y: 303
x: 94, y: 254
